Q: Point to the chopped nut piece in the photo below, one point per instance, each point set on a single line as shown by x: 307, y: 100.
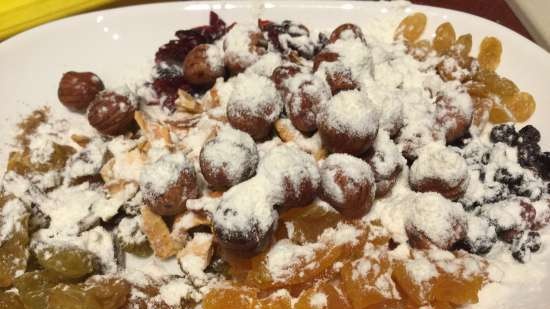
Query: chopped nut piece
x: 186, y: 103
x: 197, y: 249
x: 158, y: 234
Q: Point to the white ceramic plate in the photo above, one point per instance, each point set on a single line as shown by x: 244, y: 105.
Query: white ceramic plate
x: 119, y: 45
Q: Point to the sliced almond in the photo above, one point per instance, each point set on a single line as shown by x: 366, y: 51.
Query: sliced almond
x: 186, y: 221
x: 187, y: 103
x: 158, y: 234
x: 197, y: 253
x: 141, y: 121
x: 289, y: 134
x: 81, y: 140
x: 106, y: 171
x: 284, y: 130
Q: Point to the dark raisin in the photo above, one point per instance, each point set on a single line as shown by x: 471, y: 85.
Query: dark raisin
x: 504, y: 133
x: 528, y: 154
x: 543, y: 165
x: 480, y: 243
x: 485, y: 158
x: 529, y: 135
x: 528, y: 214
x: 504, y: 176
x: 495, y: 192
x: 524, y: 244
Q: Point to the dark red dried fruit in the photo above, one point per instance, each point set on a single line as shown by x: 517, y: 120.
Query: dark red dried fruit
x: 294, y: 30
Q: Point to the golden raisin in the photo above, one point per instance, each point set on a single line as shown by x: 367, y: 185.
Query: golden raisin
x: 505, y: 87
x: 521, y: 105
x: 500, y: 114
x: 490, y: 51
x: 420, y: 49
x: 14, y: 254
x: 444, y: 38
x: 477, y: 89
x: 463, y: 45
x: 10, y: 300
x: 411, y: 27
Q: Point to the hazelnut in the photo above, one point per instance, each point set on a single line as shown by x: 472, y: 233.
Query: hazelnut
x: 228, y: 159
x: 237, y: 58
x: 203, y: 65
x: 168, y: 183
x: 346, y: 31
x: 449, y: 117
x: 282, y: 73
x: 78, y: 89
x: 347, y: 184
x: 111, y: 113
x: 337, y: 74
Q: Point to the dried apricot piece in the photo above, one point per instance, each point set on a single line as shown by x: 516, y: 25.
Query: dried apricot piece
x: 278, y: 300
x: 230, y: 298
x: 297, y: 222
x: 414, y: 278
x: 367, y: 281
x: 322, y: 296
x: 444, y: 38
x: 411, y: 27
x: 490, y: 51
x: 463, y: 45
x: 521, y: 105
x: 450, y: 288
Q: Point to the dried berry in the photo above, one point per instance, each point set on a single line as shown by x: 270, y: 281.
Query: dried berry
x: 112, y: 113
x: 529, y: 135
x: 524, y: 244
x: 504, y: 133
x: 481, y: 235
x: 489, y: 53
x: 299, y: 33
x: 543, y: 165
x: 528, y: 154
x: 411, y: 27
x: 444, y: 38
x: 78, y: 89
x: 521, y: 105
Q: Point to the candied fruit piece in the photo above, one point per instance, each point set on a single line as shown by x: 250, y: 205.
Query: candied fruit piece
x: 367, y: 282
x: 297, y: 222
x: 14, y: 253
x: 411, y: 27
x: 110, y: 292
x: 450, y: 288
x: 521, y: 105
x: 276, y: 300
x: 9, y: 300
x: 303, y: 268
x: 444, y: 38
x: 392, y: 304
x: 230, y: 298
x: 67, y: 262
x: 322, y: 296
x: 33, y: 288
x: 414, y: 278
x: 490, y: 51
x: 463, y: 45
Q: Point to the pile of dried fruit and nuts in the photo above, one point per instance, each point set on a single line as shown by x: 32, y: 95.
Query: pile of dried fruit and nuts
x: 277, y: 168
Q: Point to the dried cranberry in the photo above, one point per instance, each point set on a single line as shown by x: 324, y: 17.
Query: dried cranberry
x: 528, y: 154
x: 543, y: 165
x: 293, y: 30
x: 524, y: 244
x: 504, y: 133
x: 529, y: 135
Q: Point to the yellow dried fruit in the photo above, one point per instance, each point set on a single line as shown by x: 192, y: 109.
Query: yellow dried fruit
x: 33, y: 288
x: 10, y: 300
x: 411, y: 27
x: 500, y: 114
x: 521, y: 105
x: 420, y: 49
x: 490, y: 51
x: 67, y: 262
x: 505, y: 87
x: 14, y: 253
x: 463, y: 45
x: 444, y: 39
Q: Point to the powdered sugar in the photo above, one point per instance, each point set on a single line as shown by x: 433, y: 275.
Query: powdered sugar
x: 436, y: 161
x: 255, y: 95
x: 12, y: 214
x: 357, y: 170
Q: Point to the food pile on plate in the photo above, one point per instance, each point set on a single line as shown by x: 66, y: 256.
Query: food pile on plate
x: 272, y: 166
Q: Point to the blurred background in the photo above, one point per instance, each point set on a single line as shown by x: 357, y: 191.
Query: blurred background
x: 527, y: 17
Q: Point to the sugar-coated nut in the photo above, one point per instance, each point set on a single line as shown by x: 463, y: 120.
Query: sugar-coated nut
x: 439, y: 169
x: 78, y: 89
x: 228, y: 159
x: 337, y: 75
x: 348, y: 123
x: 112, y: 113
x: 173, y: 200
x: 236, y: 63
x: 347, y: 184
x: 345, y: 31
x: 450, y: 118
x: 282, y: 73
x: 203, y: 65
x: 254, y: 108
